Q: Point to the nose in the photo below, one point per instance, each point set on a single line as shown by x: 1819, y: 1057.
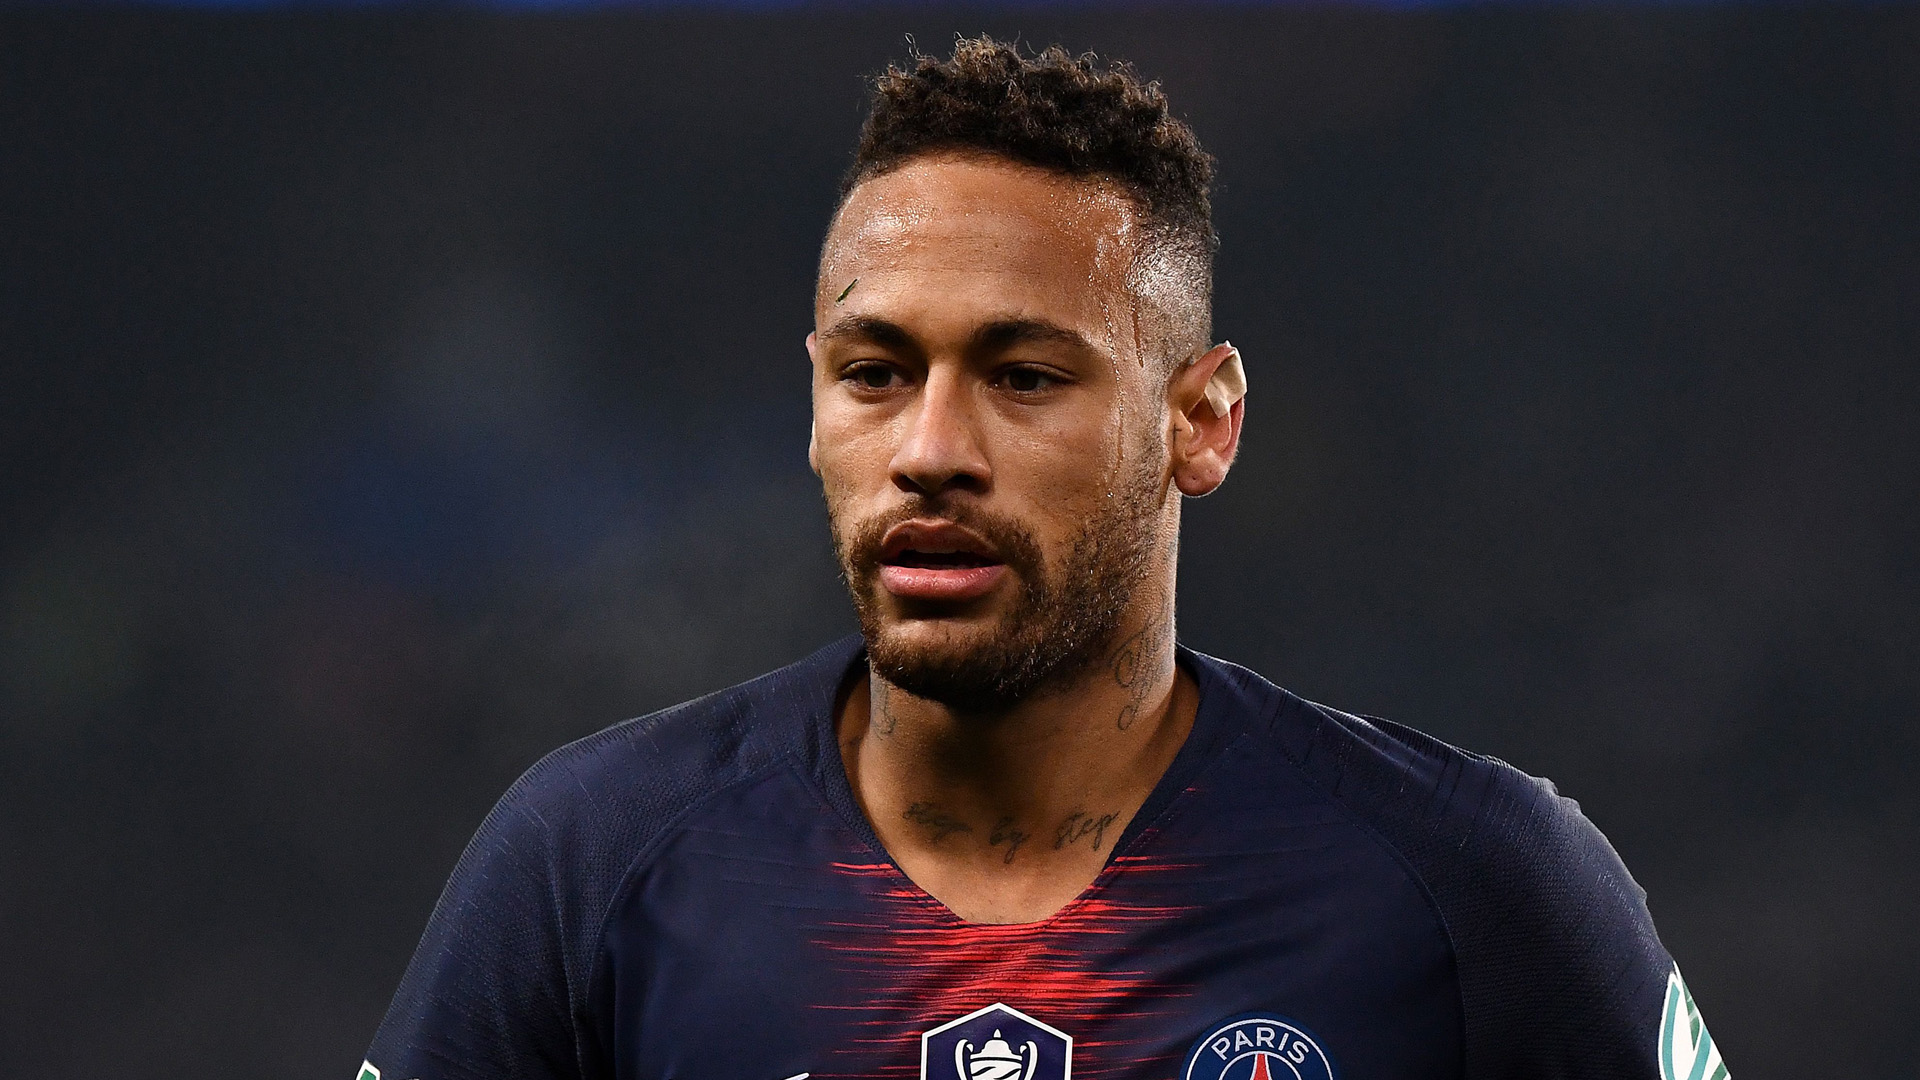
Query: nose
x: 940, y: 448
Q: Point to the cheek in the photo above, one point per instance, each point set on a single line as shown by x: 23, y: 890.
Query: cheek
x: 851, y: 458
x: 1061, y: 472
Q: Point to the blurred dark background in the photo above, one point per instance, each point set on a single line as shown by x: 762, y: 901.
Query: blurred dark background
x: 387, y: 398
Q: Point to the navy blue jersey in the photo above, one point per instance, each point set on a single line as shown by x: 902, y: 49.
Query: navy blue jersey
x: 1305, y: 895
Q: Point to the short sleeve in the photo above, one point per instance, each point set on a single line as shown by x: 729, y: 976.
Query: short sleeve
x: 487, y: 995
x: 510, y: 980
x: 1561, y: 972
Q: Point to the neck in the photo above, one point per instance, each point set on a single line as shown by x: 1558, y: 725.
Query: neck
x: 1006, y: 817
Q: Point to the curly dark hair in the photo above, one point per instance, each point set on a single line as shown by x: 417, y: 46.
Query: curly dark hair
x: 1070, y: 114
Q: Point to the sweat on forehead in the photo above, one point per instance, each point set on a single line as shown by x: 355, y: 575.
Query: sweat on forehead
x: 961, y: 202
x: 938, y: 221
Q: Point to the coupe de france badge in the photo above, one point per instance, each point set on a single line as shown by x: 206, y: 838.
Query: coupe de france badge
x: 1257, y: 1047
x: 996, y: 1043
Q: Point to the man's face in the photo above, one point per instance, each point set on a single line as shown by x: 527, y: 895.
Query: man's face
x: 989, y: 430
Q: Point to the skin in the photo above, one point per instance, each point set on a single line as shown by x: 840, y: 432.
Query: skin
x: 1006, y: 818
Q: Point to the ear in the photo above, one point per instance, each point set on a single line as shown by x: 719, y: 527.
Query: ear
x: 813, y: 435
x: 1206, y: 403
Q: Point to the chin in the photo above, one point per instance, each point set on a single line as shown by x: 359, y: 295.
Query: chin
x: 973, y: 666
x: 934, y: 642
x: 1042, y: 628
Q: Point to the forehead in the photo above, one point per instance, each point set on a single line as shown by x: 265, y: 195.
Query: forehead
x: 964, y: 232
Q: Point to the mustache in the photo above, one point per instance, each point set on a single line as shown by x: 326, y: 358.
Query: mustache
x: 1012, y: 542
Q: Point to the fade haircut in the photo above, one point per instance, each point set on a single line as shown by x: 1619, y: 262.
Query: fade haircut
x: 1075, y: 116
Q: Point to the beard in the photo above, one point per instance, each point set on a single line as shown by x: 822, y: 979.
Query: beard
x: 1062, y: 622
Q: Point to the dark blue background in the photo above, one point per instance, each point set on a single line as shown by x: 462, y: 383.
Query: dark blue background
x: 386, y: 398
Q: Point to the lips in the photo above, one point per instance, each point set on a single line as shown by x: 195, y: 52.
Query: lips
x: 938, y: 561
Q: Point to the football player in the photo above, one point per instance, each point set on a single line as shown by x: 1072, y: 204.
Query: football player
x: 1014, y: 830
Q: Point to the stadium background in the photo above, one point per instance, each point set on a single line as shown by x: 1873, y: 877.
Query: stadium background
x: 387, y: 397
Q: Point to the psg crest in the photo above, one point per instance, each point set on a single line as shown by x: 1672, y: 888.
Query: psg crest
x: 996, y: 1043
x: 1257, y: 1047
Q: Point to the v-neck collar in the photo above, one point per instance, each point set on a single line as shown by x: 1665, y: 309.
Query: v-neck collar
x: 841, y: 663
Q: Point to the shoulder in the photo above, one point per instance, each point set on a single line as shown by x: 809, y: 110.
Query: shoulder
x: 1560, y: 970
x: 1412, y: 788
x: 498, y: 983
x: 625, y: 785
x: 557, y: 847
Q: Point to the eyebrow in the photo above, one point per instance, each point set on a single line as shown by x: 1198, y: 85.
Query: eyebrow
x: 995, y: 336
x: 1005, y: 333
x: 868, y: 328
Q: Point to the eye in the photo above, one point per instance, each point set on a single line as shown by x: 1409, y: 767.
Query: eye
x: 871, y: 376
x: 1026, y: 380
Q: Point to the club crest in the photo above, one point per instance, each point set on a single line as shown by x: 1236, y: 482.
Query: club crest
x: 996, y: 1043
x: 1257, y: 1047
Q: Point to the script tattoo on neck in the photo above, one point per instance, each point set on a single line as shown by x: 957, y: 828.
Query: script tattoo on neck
x: 1004, y: 833
x: 1081, y: 825
x: 1130, y: 668
x: 938, y: 822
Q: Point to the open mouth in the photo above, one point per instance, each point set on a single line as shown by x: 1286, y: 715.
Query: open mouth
x: 938, y: 561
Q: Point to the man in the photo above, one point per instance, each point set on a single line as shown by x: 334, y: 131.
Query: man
x: 1013, y: 831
